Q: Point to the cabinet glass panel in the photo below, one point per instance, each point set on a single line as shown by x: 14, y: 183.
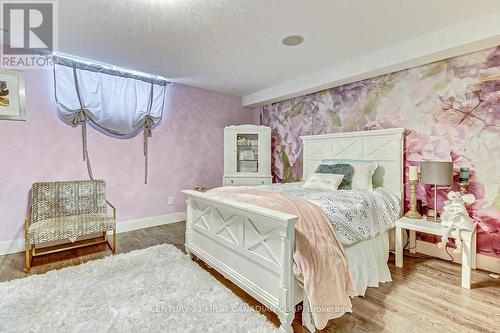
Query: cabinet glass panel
x: 247, y: 153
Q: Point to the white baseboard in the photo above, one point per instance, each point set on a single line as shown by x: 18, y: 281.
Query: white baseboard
x: 485, y: 262
x: 13, y: 246
x: 149, y: 222
x: 18, y: 245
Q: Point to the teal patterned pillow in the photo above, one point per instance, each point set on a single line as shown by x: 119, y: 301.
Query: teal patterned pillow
x: 340, y: 169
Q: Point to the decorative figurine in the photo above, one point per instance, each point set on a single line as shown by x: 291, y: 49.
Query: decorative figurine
x: 456, y: 218
x: 4, y: 92
x: 247, y: 155
x: 241, y: 141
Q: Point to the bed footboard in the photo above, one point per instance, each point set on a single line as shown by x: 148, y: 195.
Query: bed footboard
x: 249, y: 245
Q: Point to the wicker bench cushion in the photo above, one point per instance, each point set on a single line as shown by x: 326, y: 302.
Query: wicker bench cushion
x: 68, y: 227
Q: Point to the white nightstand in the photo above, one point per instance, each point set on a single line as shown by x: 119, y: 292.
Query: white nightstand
x: 433, y: 228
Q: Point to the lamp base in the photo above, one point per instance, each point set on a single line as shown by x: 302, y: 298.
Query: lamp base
x: 463, y: 185
x: 413, y: 215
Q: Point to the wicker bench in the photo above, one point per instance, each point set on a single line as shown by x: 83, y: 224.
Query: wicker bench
x: 66, y: 211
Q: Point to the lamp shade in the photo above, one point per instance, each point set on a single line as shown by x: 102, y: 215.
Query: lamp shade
x: 436, y: 173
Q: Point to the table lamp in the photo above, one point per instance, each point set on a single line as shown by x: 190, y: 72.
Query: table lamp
x: 436, y: 173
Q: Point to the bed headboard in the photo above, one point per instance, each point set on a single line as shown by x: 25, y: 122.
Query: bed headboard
x: 384, y: 146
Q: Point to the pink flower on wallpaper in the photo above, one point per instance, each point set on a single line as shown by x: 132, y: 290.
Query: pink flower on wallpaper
x: 373, y: 125
x: 475, y: 109
x: 488, y: 243
x: 436, y: 145
x: 490, y: 105
x: 490, y: 92
x: 452, y: 109
x: 436, y: 149
x: 265, y: 114
x: 475, y: 188
x: 486, y: 215
x: 439, y: 143
x: 423, y: 194
x: 487, y: 218
x: 493, y: 59
x: 465, y: 107
x: 277, y: 161
x: 415, y: 143
x: 293, y: 147
x: 430, y: 146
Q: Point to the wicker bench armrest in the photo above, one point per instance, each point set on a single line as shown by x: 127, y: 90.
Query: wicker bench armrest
x: 113, y: 207
x: 28, y: 217
x: 27, y: 220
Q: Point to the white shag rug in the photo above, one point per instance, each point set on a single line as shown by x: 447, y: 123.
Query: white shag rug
x: 158, y: 289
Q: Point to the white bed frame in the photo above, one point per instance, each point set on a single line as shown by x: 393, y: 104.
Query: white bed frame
x: 253, y: 246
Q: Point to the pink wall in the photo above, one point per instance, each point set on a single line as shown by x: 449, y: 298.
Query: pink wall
x: 185, y: 150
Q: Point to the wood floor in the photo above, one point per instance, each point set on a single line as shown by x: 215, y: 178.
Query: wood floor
x: 425, y: 295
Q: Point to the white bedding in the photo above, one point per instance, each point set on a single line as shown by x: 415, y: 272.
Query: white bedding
x: 367, y: 257
x: 356, y: 215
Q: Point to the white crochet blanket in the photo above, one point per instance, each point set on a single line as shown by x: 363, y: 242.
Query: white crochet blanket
x: 356, y: 215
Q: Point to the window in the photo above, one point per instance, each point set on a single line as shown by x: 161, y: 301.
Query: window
x: 118, y: 101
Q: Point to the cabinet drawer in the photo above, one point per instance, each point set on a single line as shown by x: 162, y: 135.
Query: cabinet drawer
x: 237, y: 181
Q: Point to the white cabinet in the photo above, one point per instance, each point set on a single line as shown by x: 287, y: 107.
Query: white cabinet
x: 247, y: 155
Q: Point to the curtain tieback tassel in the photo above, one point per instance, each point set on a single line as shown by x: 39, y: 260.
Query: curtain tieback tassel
x: 148, y: 125
x: 81, y: 119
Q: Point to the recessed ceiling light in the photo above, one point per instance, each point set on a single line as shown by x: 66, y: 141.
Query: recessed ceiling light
x: 293, y: 40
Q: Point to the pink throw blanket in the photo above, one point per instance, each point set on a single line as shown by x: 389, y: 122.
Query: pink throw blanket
x: 318, y: 253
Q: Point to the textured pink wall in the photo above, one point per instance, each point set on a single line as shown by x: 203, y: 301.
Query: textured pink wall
x: 186, y: 150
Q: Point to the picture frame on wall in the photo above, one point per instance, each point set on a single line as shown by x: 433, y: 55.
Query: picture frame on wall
x: 12, y: 95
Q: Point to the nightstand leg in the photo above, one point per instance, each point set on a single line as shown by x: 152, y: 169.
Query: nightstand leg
x: 413, y: 241
x: 473, y: 250
x: 466, y: 258
x: 399, y: 247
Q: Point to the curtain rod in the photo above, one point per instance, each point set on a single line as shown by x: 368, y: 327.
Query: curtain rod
x: 97, y: 67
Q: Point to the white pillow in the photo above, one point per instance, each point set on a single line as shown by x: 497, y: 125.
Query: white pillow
x: 363, y: 175
x: 362, y: 179
x: 323, y: 182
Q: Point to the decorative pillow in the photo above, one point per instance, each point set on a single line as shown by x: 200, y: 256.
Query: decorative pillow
x: 323, y: 182
x: 363, y: 172
x: 363, y: 176
x: 340, y: 169
x: 349, y: 161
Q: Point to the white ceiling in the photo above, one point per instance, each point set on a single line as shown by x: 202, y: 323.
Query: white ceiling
x: 234, y: 46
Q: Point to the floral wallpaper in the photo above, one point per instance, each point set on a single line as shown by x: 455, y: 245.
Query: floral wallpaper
x: 451, y: 107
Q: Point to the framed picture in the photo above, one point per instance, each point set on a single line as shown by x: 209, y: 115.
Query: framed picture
x: 12, y: 94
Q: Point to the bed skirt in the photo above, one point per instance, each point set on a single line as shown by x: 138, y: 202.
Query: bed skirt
x: 368, y: 262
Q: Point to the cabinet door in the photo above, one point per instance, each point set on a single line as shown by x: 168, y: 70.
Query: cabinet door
x: 247, y: 153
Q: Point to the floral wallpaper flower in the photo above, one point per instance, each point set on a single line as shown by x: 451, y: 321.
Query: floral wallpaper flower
x: 451, y: 107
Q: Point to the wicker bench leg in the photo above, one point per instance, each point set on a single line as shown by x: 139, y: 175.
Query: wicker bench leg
x: 28, y: 258
x: 112, y: 245
x: 28, y: 255
x: 114, y: 241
